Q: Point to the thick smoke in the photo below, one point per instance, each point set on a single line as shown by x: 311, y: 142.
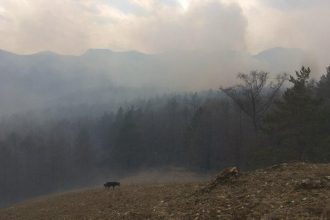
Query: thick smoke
x: 71, y: 27
x: 203, y: 26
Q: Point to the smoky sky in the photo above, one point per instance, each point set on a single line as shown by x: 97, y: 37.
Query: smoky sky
x: 294, y: 4
x: 73, y: 26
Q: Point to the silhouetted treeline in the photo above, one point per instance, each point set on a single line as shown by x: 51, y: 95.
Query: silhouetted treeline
x: 253, y: 124
x: 198, y: 131
x: 299, y: 124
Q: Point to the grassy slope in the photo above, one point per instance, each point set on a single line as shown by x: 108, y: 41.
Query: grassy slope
x: 269, y: 193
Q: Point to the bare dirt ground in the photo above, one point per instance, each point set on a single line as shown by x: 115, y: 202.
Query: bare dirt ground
x: 286, y: 191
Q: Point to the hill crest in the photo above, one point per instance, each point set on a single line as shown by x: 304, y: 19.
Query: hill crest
x: 284, y: 191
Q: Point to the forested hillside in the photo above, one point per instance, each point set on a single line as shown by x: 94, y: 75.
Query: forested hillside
x: 263, y: 120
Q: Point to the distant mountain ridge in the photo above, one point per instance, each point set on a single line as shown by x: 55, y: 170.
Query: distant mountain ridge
x: 46, y: 79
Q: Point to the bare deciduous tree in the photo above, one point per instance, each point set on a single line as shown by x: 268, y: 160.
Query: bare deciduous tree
x: 255, y: 94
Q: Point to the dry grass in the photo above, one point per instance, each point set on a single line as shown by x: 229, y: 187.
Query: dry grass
x: 270, y: 193
x: 126, y: 202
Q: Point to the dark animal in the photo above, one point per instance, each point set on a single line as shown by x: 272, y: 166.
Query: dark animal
x: 107, y: 185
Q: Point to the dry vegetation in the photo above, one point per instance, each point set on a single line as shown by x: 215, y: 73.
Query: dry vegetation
x: 286, y: 191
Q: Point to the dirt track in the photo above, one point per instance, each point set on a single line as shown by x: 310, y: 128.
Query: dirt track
x: 294, y: 191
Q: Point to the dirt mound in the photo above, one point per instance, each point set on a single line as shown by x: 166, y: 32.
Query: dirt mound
x: 228, y: 175
x: 284, y: 191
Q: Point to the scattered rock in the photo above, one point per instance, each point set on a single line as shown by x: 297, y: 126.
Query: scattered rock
x: 313, y: 183
x: 277, y: 166
x: 225, y: 176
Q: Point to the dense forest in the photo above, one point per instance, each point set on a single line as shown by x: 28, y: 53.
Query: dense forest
x: 263, y: 120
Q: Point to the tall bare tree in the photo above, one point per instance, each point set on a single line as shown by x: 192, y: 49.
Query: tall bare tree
x: 255, y: 94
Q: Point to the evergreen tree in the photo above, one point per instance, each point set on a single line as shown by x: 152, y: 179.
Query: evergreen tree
x: 294, y: 123
x: 323, y: 87
x: 127, y: 144
x: 83, y: 152
x: 199, y: 140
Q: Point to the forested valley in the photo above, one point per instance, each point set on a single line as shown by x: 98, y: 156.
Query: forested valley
x: 265, y: 119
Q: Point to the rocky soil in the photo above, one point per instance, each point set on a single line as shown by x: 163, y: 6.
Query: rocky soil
x: 285, y: 191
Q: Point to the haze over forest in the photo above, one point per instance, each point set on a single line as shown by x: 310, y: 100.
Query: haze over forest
x: 103, y: 77
x: 108, y: 88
